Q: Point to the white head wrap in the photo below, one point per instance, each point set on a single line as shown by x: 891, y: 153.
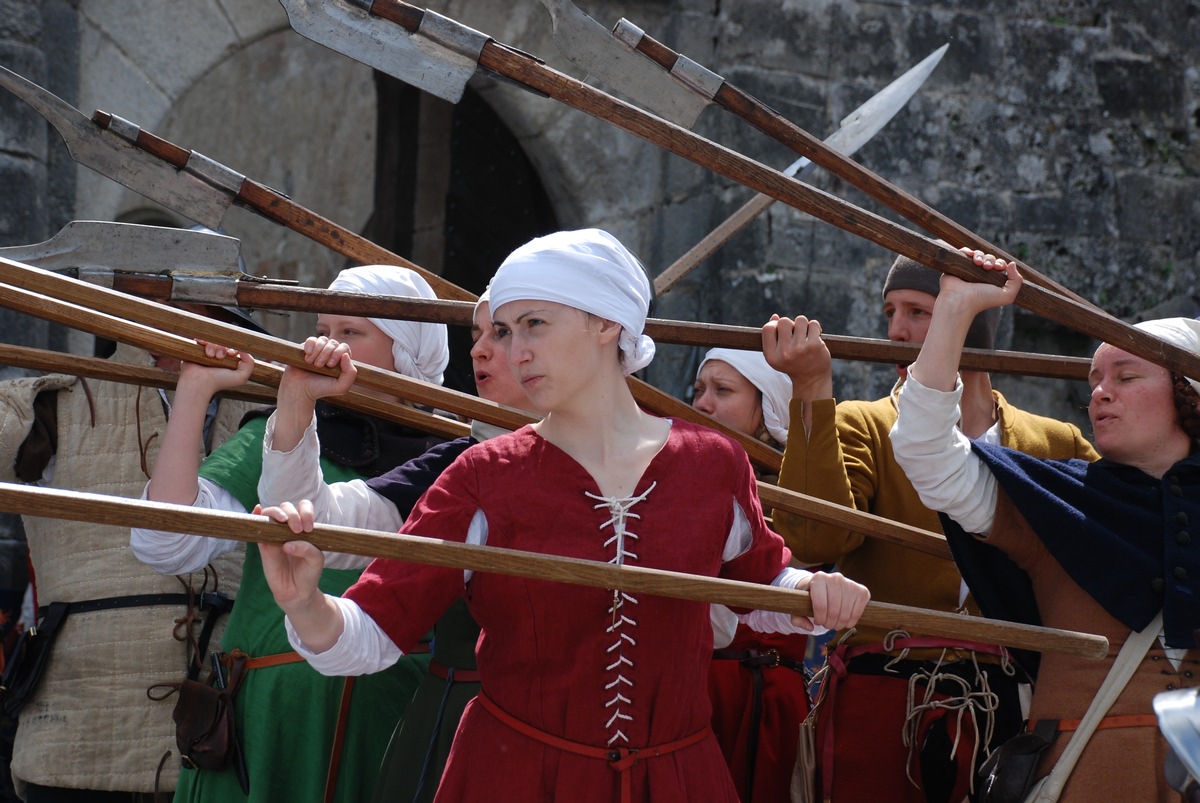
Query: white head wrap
x: 776, y: 387
x: 420, y: 350
x: 1182, y: 332
x: 589, y: 270
x: 484, y: 298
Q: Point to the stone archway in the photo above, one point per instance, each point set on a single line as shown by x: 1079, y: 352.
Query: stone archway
x: 256, y: 97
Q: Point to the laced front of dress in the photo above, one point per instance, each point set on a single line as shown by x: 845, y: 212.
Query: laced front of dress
x: 623, y: 615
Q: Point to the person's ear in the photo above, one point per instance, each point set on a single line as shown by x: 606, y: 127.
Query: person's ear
x: 609, y: 330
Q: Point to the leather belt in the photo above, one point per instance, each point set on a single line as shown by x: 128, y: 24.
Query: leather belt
x: 620, y: 759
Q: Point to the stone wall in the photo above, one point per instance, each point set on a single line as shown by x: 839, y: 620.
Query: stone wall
x: 37, y: 179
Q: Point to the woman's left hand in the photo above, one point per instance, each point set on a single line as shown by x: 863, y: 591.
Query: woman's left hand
x: 837, y: 601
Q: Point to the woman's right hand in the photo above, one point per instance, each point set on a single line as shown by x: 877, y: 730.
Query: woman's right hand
x: 209, y: 380
x: 979, y: 296
x: 321, y: 352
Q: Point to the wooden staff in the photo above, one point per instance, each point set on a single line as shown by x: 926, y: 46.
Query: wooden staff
x: 55, y: 362
x: 256, y: 295
x: 160, y: 317
x: 151, y: 339
x: 118, y: 512
x: 878, y: 527
x: 277, y: 207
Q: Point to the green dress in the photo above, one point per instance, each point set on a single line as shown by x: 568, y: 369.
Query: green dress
x: 287, y: 715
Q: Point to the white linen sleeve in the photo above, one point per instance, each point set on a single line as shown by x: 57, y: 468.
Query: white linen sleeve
x: 180, y: 553
x: 724, y: 625
x: 295, y: 475
x: 937, y: 457
x: 777, y: 621
x: 362, y: 648
x: 738, y: 542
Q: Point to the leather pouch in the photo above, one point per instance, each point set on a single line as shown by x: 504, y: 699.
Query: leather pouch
x: 1006, y: 776
x: 27, y: 664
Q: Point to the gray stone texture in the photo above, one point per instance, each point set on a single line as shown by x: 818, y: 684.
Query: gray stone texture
x: 36, y: 186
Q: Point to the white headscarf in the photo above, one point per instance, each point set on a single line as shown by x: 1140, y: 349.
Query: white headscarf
x: 420, y: 350
x: 589, y: 270
x: 776, y: 387
x: 484, y: 298
x: 1182, y: 332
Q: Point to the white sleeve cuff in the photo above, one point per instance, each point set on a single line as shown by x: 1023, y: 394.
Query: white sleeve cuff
x: 180, y: 553
x: 362, y: 648
x: 776, y: 621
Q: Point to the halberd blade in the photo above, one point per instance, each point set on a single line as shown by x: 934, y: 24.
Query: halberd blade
x: 432, y: 62
x: 592, y: 48
x: 113, y: 156
x: 104, y: 245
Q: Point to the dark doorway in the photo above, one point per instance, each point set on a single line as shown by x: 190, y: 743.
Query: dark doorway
x: 454, y: 192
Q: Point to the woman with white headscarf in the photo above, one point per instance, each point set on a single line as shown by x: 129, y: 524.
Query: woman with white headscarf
x: 297, y: 743
x: 587, y: 694
x: 1103, y: 547
x: 740, y: 390
x: 758, y: 684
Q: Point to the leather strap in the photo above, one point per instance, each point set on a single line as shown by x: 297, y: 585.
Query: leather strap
x: 112, y: 603
x: 264, y: 661
x: 755, y: 662
x: 339, y: 739
x: 837, y: 661
x: 1111, y: 721
x: 453, y: 674
x: 620, y: 759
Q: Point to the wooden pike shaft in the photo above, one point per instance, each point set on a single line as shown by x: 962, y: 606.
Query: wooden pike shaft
x: 265, y: 295
x: 122, y: 326
x: 773, y: 496
x: 774, y: 125
x: 535, y: 75
x: 279, y: 208
x: 702, y: 250
x: 282, y: 210
x: 56, y: 362
x: 123, y: 309
x: 118, y: 512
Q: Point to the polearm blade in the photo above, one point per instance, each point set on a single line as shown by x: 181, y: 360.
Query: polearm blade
x: 586, y: 43
x: 192, y: 184
x: 439, y: 65
x: 132, y: 247
x: 782, y: 130
x: 857, y: 128
x: 120, y: 160
x: 533, y: 74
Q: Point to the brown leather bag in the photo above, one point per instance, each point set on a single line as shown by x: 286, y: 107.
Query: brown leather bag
x: 205, y: 725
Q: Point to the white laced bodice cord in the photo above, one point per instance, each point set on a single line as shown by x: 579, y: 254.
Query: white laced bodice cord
x: 622, y: 612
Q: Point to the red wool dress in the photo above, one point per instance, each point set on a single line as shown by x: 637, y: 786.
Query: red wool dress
x: 581, y: 664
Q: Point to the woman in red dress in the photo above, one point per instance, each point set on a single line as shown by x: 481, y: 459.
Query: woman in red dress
x: 587, y: 694
x: 758, y: 682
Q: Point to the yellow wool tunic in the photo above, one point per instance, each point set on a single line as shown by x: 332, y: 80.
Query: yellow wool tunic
x: 848, y: 459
